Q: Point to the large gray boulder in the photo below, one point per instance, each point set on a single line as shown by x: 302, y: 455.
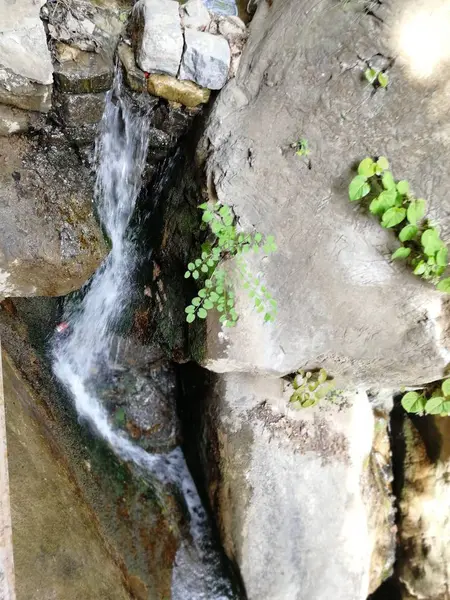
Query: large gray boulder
x: 25, y: 62
x: 342, y: 303
x: 160, y: 39
x: 50, y: 242
x: 294, y: 493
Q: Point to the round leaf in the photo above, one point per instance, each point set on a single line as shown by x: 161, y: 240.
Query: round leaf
x: 195, y: 274
x: 202, y: 313
x: 403, y: 187
x: 196, y: 301
x: 189, y: 309
x: 401, y: 253
x: 383, y: 80
x: 393, y: 217
x: 444, y: 285
x: 416, y: 211
x: 191, y: 266
x: 420, y: 268
x: 446, y: 387
x: 358, y: 188
x: 388, y: 180
x: 383, y: 163
x: 208, y: 304
x: 413, y: 402
x: 431, y: 242
x: 434, y: 405
x: 408, y: 233
x: 366, y: 167
x: 190, y: 318
x: 442, y: 257
x: 187, y: 274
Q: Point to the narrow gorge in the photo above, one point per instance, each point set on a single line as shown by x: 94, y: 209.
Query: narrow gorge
x: 221, y: 378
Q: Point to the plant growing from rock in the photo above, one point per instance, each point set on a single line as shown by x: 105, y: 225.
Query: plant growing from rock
x: 310, y: 388
x: 394, y: 204
x: 435, y: 403
x: 218, y: 291
x: 302, y: 147
x: 376, y: 78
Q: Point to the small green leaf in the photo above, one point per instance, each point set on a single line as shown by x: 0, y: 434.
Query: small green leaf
x: 403, y: 187
x: 223, y: 318
x: 196, y: 301
x: 366, y: 167
x: 446, y: 387
x: 444, y: 285
x: 207, y: 216
x: 195, y: 274
x: 370, y: 75
x: 383, y: 79
x: 383, y: 163
x: 203, y: 206
x: 433, y: 406
x: 388, y: 180
x: 416, y: 211
x: 377, y: 207
x: 442, y: 257
x: 388, y: 198
x: 198, y: 262
x: 431, y: 241
x: 393, y: 217
x: 204, y: 269
x: 208, y: 304
x: 358, y: 188
x: 191, y: 266
x: 208, y: 283
x: 408, y: 233
x: 401, y: 253
x: 189, y: 309
x: 202, y: 314
x: 258, y: 237
x: 420, y: 268
x: 187, y: 274
x: 202, y: 293
x: 413, y: 402
x: 190, y: 317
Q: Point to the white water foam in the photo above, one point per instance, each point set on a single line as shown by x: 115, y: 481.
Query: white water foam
x: 121, y: 152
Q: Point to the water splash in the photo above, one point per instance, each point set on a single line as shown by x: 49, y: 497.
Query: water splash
x: 121, y: 152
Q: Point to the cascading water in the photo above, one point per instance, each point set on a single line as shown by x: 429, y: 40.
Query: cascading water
x: 121, y: 151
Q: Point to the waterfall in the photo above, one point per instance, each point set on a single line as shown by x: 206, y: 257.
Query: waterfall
x: 120, y: 158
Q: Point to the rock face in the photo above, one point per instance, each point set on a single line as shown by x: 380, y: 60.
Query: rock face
x: 206, y: 59
x: 424, y: 529
x: 50, y: 242
x: 160, y: 39
x: 25, y: 63
x: 291, y: 491
x: 195, y: 15
x: 52, y: 527
x: 342, y: 304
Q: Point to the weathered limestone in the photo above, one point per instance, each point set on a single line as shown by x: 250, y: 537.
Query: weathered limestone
x: 25, y: 63
x: 134, y: 76
x: 50, y: 242
x: 195, y: 15
x: 14, y: 120
x: 78, y: 72
x: 160, y: 39
x: 342, y: 303
x: 295, y: 493
x: 174, y: 90
x: 206, y: 59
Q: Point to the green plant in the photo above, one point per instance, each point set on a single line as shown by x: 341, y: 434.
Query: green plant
x: 218, y: 292
x: 310, y: 388
x: 376, y: 78
x: 302, y: 148
x: 436, y: 403
x: 397, y: 208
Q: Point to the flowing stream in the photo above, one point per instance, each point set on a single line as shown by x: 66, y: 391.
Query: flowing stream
x: 121, y: 151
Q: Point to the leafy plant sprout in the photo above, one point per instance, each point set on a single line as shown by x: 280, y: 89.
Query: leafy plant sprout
x: 435, y: 403
x: 302, y: 147
x: 376, y: 78
x: 397, y: 208
x: 218, y: 290
x: 310, y: 388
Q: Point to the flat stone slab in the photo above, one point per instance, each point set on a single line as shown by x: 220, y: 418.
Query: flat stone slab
x: 172, y: 89
x: 86, y: 73
x: 206, y: 59
x: 160, y: 39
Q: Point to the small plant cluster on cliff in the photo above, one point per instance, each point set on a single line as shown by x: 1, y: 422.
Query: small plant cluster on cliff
x: 218, y: 291
x: 310, y: 388
x: 394, y: 204
x: 434, y: 402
